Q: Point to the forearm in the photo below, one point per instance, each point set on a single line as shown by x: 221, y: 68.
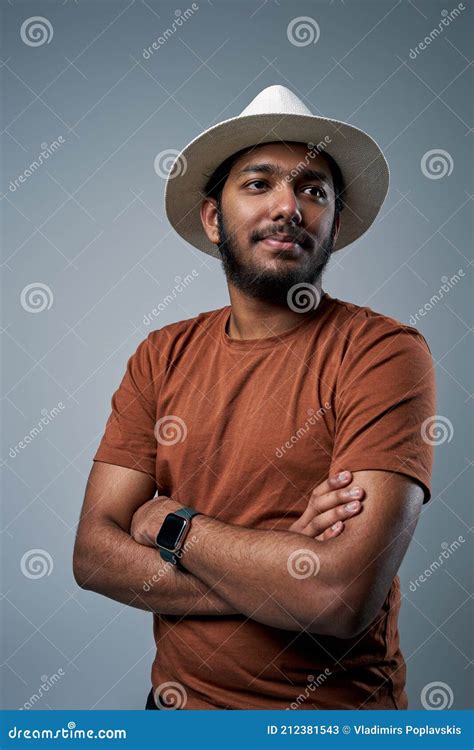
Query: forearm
x: 107, y: 560
x: 274, y: 577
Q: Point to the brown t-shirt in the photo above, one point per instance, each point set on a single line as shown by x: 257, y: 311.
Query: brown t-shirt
x: 249, y: 428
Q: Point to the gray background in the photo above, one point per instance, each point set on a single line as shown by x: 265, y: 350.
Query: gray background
x: 89, y: 223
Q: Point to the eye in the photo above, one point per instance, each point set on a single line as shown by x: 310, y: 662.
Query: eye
x: 259, y: 184
x: 316, y: 187
x: 253, y: 182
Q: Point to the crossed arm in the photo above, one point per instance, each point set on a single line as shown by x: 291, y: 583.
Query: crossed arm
x: 259, y: 573
x: 109, y: 561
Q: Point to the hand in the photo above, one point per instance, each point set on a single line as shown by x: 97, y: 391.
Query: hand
x: 147, y: 519
x: 327, y: 509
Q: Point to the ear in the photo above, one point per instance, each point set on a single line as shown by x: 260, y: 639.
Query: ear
x: 209, y: 219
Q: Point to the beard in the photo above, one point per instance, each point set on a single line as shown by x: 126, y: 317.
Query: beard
x: 270, y: 285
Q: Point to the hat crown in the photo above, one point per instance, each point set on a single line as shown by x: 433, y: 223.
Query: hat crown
x: 276, y: 99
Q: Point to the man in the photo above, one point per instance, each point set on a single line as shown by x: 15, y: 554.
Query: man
x: 245, y: 417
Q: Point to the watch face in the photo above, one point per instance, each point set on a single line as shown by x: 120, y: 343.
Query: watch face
x: 171, y: 532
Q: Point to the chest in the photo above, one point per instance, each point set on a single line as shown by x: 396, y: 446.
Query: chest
x: 246, y: 440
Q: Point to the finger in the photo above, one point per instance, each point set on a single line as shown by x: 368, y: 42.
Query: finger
x: 335, y: 530
x: 332, y: 483
x: 319, y: 505
x: 325, y: 488
x: 321, y: 523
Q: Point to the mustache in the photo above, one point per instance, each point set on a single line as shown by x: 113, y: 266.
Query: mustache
x: 295, y: 235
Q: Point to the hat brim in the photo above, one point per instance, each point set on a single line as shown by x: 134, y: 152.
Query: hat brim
x: 363, y: 166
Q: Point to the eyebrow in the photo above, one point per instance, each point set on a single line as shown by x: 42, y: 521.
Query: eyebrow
x: 271, y: 169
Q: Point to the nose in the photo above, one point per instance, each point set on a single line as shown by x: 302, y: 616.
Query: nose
x: 285, y: 206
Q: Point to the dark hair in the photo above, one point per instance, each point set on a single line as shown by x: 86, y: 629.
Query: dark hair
x: 216, y: 181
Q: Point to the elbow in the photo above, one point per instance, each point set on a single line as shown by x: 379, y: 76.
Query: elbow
x: 338, y: 625
x: 79, y: 573
x: 335, y: 627
x: 349, y: 628
x: 359, y: 612
x: 325, y: 613
x: 353, y: 622
x: 341, y: 618
x: 79, y: 567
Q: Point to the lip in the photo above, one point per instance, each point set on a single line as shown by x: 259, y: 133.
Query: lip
x: 281, y: 244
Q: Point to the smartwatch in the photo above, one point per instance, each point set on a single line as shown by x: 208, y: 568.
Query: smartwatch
x: 173, y: 532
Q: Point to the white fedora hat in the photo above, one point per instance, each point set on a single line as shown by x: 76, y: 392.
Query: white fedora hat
x: 276, y: 114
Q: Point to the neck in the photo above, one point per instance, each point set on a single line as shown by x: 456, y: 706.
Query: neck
x: 252, y: 318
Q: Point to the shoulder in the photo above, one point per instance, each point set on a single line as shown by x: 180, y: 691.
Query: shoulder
x: 167, y: 338
x: 362, y: 328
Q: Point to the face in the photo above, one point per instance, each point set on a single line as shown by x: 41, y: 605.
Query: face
x: 281, y: 189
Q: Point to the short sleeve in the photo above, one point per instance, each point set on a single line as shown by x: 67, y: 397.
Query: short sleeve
x: 129, y: 438
x: 384, y: 402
